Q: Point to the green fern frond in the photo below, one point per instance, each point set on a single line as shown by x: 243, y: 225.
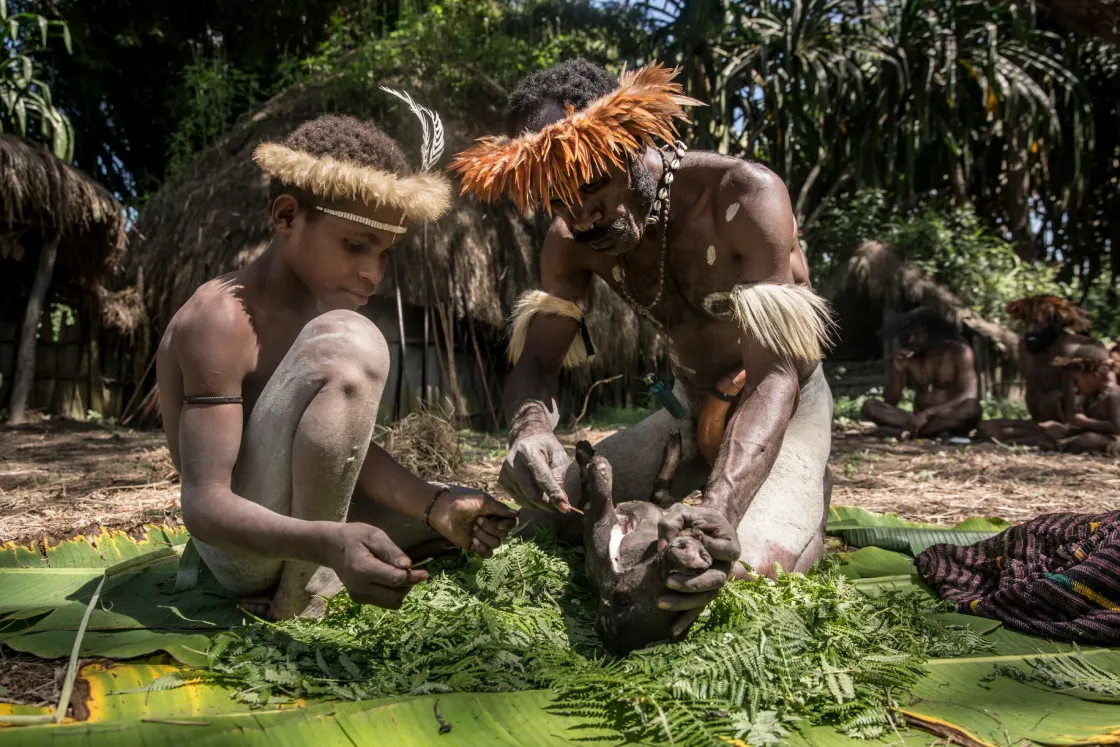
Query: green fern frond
x: 768, y: 656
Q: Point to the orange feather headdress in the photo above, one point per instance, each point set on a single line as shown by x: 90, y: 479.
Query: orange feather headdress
x: 552, y: 163
x: 1048, y: 310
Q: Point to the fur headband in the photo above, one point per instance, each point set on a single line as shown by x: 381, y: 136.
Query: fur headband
x: 1047, y: 310
x: 552, y: 163
x: 423, y: 196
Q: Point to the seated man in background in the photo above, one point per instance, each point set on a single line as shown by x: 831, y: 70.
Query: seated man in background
x: 270, y: 383
x: 1094, y: 426
x: 1052, y: 328
x: 937, y: 365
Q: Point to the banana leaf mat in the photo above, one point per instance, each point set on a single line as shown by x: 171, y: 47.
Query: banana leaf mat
x: 153, y: 613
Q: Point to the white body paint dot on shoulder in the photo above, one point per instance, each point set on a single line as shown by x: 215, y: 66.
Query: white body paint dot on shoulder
x: 732, y: 209
x: 616, y: 273
x: 712, y: 255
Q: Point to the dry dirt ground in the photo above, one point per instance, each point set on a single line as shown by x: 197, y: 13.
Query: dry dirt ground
x: 60, y: 478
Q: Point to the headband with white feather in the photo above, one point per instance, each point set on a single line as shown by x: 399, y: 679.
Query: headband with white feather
x: 424, y: 196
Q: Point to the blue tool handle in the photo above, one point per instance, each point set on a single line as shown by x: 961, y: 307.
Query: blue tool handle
x: 666, y: 397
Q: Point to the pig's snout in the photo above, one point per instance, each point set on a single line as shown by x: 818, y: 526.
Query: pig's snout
x: 687, y: 553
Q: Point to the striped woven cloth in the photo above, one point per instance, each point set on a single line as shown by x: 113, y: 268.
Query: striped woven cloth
x: 1057, y: 576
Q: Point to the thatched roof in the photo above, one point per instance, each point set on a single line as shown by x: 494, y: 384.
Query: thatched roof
x: 879, y: 272
x: 1099, y: 19
x: 41, y: 195
x: 213, y: 217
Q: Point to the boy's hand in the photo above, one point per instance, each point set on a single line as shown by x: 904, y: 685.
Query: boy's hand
x: 472, y: 520
x: 372, y: 568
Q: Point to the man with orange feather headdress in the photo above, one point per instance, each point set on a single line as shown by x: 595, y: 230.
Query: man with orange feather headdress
x: 1052, y: 330
x: 705, y: 247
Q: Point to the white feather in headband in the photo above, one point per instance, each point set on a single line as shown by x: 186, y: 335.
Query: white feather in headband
x: 424, y: 196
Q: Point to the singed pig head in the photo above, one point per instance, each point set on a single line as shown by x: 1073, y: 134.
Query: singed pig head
x: 623, y: 562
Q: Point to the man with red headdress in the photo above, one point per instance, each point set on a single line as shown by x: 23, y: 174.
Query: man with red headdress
x: 1052, y: 330
x: 705, y: 247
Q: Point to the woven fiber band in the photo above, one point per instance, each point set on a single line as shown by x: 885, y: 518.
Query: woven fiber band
x: 364, y: 221
x: 208, y: 400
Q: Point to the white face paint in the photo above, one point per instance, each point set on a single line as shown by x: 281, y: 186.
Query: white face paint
x: 732, y: 209
x: 615, y: 548
x: 712, y: 254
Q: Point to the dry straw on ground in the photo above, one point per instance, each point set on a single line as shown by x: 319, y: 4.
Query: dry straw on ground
x: 424, y: 443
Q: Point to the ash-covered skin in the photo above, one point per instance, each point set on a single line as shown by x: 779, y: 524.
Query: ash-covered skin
x: 622, y: 559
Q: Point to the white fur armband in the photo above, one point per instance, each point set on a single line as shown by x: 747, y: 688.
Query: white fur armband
x: 789, y: 320
x: 536, y: 302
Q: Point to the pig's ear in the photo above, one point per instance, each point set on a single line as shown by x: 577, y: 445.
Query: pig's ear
x: 584, y: 453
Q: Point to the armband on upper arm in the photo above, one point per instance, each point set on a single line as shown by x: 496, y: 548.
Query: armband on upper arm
x: 789, y: 320
x: 536, y: 302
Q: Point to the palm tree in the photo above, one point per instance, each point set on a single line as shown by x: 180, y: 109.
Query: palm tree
x: 25, y: 99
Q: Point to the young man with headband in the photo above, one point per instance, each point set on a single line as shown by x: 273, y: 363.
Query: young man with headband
x: 705, y: 247
x: 270, y: 384
x: 1052, y: 328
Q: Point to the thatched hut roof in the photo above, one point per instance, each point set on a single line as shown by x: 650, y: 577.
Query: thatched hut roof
x: 880, y: 273
x: 213, y: 217
x: 41, y: 195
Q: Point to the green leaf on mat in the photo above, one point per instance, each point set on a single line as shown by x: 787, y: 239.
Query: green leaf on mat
x: 875, y: 562
x: 907, y: 539
x: 961, y: 695
x: 981, y: 625
x: 983, y: 524
x: 188, y: 648
x: 189, y: 565
x: 491, y: 719
x: 102, y: 550
x: 843, y: 517
x: 136, y: 600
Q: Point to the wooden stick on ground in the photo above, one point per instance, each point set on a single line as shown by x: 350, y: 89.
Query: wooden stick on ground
x: 587, y: 397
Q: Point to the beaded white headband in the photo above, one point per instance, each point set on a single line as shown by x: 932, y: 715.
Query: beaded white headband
x: 363, y: 220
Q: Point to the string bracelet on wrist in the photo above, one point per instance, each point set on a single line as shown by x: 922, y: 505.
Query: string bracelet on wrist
x: 428, y: 510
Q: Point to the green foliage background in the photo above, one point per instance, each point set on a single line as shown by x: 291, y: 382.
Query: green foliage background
x: 949, y: 242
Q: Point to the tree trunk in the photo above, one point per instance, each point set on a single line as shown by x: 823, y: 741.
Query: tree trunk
x: 1016, y: 194
x: 97, y: 402
x: 960, y: 183
x: 25, y: 358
